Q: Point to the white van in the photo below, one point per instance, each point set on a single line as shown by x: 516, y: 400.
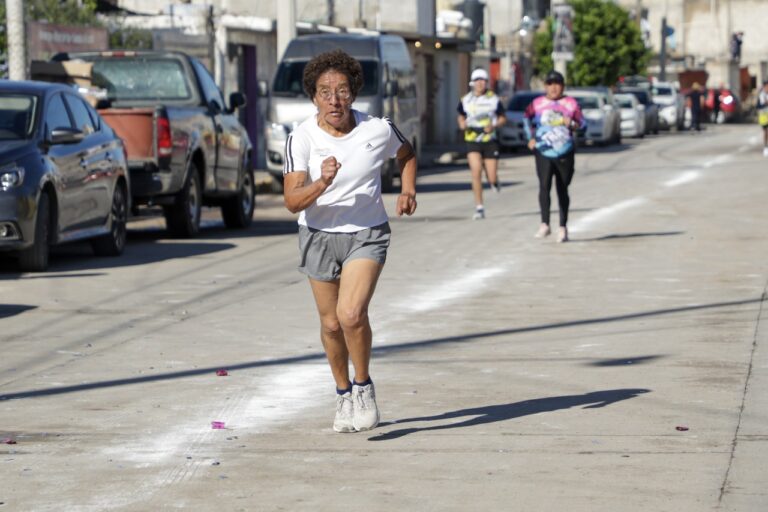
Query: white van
x: 389, y: 90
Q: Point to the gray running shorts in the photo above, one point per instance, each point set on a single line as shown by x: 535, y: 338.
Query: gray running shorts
x: 323, y: 254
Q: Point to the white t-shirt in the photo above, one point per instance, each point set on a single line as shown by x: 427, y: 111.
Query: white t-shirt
x: 353, y: 201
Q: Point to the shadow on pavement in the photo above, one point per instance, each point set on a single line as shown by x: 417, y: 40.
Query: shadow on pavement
x: 147, y: 245
x: 394, y: 348
x: 622, y: 236
x: 8, y: 310
x: 503, y: 412
x: 425, y: 188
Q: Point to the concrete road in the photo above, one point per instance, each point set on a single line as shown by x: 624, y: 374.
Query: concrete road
x: 624, y: 371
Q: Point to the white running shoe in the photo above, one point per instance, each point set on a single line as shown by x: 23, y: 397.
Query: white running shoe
x: 562, y: 235
x: 366, y: 413
x: 543, y: 231
x: 765, y: 151
x: 344, y: 413
x: 479, y: 213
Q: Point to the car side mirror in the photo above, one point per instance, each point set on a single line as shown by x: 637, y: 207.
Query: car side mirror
x: 236, y: 101
x: 263, y: 89
x: 66, y: 136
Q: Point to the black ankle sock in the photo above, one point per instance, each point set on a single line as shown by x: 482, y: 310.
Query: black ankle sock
x: 367, y: 381
x: 343, y: 391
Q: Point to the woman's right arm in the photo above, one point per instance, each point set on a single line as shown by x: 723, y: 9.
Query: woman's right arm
x: 298, y: 194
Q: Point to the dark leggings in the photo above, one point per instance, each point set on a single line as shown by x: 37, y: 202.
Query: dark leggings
x: 562, y: 170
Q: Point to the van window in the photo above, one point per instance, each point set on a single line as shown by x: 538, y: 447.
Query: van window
x: 395, y: 54
x: 288, y: 80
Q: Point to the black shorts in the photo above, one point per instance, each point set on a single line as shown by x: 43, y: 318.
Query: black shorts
x: 486, y: 149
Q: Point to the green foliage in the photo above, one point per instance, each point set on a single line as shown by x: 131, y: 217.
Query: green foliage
x: 66, y: 12
x: 608, y: 45
x: 131, y: 39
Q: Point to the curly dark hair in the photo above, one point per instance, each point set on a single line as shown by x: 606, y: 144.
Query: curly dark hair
x: 336, y: 60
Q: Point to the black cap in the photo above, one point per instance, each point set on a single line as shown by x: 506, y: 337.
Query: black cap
x: 554, y: 77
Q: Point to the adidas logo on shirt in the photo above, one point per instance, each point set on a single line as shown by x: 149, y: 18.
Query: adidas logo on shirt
x: 369, y: 147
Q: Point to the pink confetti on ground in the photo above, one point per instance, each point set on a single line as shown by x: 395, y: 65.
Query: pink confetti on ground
x: 681, y: 428
x: 217, y: 424
x: 222, y: 373
x: 8, y: 440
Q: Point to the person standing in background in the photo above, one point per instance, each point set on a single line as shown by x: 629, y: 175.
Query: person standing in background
x: 550, y: 121
x: 762, y: 115
x: 695, y: 101
x: 480, y: 113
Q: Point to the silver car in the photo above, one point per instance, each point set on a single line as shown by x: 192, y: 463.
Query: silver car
x: 632, y: 115
x: 671, y: 105
x: 602, y: 116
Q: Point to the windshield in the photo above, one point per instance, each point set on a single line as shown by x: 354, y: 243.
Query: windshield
x: 624, y: 102
x: 17, y: 116
x: 288, y: 80
x: 662, y: 91
x: 142, y: 78
x: 587, y: 102
x: 520, y: 102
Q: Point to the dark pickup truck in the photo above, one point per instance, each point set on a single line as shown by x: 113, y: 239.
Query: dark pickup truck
x: 186, y: 147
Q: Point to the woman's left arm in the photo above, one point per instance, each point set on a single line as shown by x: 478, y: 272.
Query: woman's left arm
x: 406, y: 161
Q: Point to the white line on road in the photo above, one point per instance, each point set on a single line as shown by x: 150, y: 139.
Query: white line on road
x: 596, y: 216
x: 684, y: 178
x: 451, y: 290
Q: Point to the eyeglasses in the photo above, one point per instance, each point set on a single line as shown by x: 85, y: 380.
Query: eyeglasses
x: 343, y: 93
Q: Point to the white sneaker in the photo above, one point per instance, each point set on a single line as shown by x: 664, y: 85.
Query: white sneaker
x: 765, y: 151
x: 496, y: 186
x: 366, y: 413
x: 543, y: 231
x: 479, y: 213
x: 344, y: 413
x: 562, y: 235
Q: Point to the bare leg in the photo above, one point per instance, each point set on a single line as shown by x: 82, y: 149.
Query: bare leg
x: 475, y: 161
x: 327, y: 297
x: 491, y: 165
x: 358, y: 282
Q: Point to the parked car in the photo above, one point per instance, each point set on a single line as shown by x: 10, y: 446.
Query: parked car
x: 63, y: 174
x: 730, y: 106
x: 632, y: 115
x: 651, y: 109
x: 512, y: 134
x: 671, y: 105
x: 389, y: 90
x: 603, y: 118
x: 186, y: 146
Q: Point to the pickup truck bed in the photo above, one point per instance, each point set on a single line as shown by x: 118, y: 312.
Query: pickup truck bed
x: 186, y: 148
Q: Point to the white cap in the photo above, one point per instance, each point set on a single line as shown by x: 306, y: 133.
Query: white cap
x: 479, y: 74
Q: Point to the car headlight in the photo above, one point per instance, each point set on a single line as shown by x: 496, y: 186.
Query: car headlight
x: 11, y: 177
x: 277, y: 131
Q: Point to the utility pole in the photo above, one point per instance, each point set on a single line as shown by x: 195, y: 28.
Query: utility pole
x: 17, y: 49
x: 286, y: 25
x: 663, y: 52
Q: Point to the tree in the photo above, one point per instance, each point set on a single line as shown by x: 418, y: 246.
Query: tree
x: 608, y: 45
x: 68, y: 12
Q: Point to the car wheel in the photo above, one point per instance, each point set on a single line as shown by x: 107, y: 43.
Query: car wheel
x: 237, y: 210
x: 35, y: 258
x: 113, y: 243
x: 183, y: 218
